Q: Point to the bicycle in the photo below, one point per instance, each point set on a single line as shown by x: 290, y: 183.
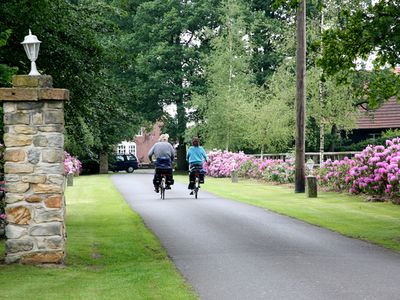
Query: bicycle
x: 196, y: 172
x: 196, y: 185
x: 163, y: 186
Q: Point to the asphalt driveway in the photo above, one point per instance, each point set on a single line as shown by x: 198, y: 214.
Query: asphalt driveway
x: 228, y: 250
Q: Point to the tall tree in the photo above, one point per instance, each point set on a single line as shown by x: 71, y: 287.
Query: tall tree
x: 226, y: 105
x: 369, y: 29
x: 168, y: 39
x: 75, y: 53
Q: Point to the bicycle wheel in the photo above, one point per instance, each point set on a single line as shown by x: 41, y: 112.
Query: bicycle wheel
x: 162, y: 188
x: 196, y: 187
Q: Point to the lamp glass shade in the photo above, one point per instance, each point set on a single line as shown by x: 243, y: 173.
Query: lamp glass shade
x: 31, y: 45
x: 32, y: 50
x: 310, y: 164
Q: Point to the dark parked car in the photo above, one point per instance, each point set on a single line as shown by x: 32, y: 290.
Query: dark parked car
x: 90, y: 165
x: 123, y: 162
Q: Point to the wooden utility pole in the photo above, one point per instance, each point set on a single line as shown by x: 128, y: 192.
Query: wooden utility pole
x: 300, y: 97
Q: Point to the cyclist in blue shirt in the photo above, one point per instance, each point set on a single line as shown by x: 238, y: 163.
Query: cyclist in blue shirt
x: 196, y: 156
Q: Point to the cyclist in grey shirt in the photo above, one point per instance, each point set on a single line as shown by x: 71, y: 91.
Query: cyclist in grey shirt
x: 164, y: 154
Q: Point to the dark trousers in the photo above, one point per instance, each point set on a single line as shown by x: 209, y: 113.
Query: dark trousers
x: 157, y: 176
x: 192, y: 179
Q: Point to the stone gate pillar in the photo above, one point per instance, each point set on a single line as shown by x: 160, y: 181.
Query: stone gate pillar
x: 34, y: 170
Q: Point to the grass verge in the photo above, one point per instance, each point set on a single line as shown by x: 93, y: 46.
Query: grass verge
x: 110, y: 254
x: 352, y: 216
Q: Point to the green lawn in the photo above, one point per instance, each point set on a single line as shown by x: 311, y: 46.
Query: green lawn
x: 350, y: 215
x: 110, y: 254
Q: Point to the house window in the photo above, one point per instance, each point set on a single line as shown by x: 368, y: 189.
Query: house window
x: 132, y: 149
x: 121, y: 149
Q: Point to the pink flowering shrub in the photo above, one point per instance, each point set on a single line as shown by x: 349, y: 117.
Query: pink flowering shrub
x: 335, y: 174
x: 222, y: 163
x: 277, y: 170
x: 72, y: 165
x: 251, y: 169
x: 375, y: 171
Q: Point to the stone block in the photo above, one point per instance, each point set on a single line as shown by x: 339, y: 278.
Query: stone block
x: 15, y: 232
x: 9, y: 107
x: 20, y: 245
x: 34, y: 178
x: 40, y: 141
x: 43, y: 81
x: 55, y: 201
x: 49, y: 169
x: 55, y: 105
x: 16, y: 187
x: 19, y: 94
x: 47, y: 188
x: 37, y: 118
x: 15, y: 118
x: 34, y: 155
x: 34, y: 198
x: 53, y: 155
x: 12, y: 198
x: 15, y: 155
x: 18, y: 168
x: 56, y: 140
x: 52, y: 128
x: 18, y: 215
x: 56, y: 179
x: 13, y: 140
x: 45, y: 257
x: 47, y: 229
x: 48, y: 215
x: 11, y: 259
x: 30, y: 105
x: 54, y: 117
x: 24, y: 129
x: 52, y: 243
x: 53, y: 94
x: 12, y: 177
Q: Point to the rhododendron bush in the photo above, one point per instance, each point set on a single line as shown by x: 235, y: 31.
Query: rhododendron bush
x: 72, y: 165
x: 223, y: 163
x: 375, y: 171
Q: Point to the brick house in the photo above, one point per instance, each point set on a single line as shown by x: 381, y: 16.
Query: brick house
x: 144, y: 141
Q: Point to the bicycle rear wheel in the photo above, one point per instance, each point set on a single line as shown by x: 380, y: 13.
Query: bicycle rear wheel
x: 196, y: 187
x: 162, y: 188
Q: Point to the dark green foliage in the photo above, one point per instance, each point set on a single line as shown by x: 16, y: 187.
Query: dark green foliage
x: 5, y: 71
x: 76, y: 52
x: 388, y: 135
x: 362, y: 32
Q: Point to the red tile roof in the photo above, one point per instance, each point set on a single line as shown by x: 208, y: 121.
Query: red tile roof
x: 387, y: 116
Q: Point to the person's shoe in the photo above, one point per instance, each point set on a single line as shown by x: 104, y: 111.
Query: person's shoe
x: 168, y: 187
x: 156, y: 189
x: 191, y: 193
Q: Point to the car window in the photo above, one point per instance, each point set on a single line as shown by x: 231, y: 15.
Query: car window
x: 119, y: 158
x: 130, y: 157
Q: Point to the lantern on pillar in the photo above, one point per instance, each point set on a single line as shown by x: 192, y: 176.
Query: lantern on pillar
x: 31, y: 45
x: 310, y: 166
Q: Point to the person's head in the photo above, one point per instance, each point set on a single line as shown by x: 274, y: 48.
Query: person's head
x: 195, y: 141
x: 164, y: 137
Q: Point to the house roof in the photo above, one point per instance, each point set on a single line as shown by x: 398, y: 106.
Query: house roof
x: 387, y: 116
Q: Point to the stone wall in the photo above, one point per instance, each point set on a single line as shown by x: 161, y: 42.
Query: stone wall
x: 34, y: 170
